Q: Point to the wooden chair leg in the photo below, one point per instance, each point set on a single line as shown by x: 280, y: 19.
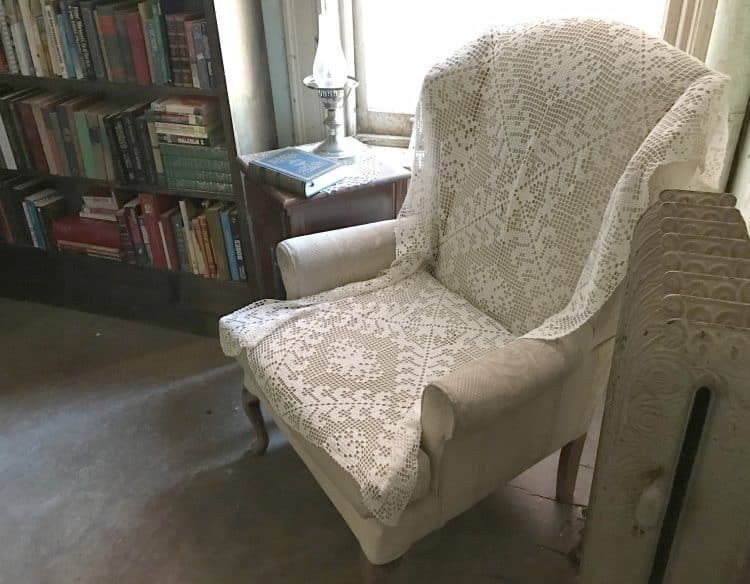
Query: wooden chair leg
x: 377, y: 574
x: 251, y: 405
x: 567, y: 469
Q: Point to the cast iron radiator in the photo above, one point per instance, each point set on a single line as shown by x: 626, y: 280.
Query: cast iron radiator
x: 670, y: 501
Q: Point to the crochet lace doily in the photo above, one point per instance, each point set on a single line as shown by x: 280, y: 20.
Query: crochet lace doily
x: 534, y: 150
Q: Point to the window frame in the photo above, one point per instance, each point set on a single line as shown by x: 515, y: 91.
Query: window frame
x: 687, y: 24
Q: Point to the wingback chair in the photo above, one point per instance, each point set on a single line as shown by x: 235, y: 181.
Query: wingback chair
x: 537, y: 150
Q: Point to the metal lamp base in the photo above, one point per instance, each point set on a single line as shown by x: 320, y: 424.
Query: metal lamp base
x: 335, y: 147
x: 336, y: 144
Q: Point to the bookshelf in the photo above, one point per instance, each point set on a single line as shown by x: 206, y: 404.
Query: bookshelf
x: 234, y: 31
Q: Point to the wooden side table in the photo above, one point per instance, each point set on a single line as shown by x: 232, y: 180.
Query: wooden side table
x: 374, y: 191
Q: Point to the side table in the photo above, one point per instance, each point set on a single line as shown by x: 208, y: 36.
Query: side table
x: 374, y: 191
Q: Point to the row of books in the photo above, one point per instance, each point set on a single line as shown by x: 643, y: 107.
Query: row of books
x: 177, y: 141
x: 147, y: 230
x: 122, y: 41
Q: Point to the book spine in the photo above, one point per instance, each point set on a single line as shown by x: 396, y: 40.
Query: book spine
x: 180, y: 244
x: 150, y: 216
x: 144, y: 142
x: 36, y: 220
x: 170, y: 243
x: 179, y: 58
x: 208, y: 248
x: 79, y: 35
x: 41, y: 127
x: 23, y: 53
x: 92, y: 35
x: 105, y: 58
x: 33, y: 139
x: 28, y: 209
x: 197, y: 174
x: 162, y: 50
x: 138, y: 48
x: 52, y: 28
x: 198, y: 247
x: 134, y: 147
x: 97, y: 150
x: 156, y: 154
x: 192, y: 30
x: 67, y: 138
x: 88, y: 231
x: 57, y: 143
x: 216, y: 236
x: 202, y: 52
x: 126, y: 157
x: 126, y: 243
x: 234, y: 224
x: 188, y: 140
x: 111, y: 46
x: 28, y: 161
x: 185, y: 130
x: 146, y: 240
x: 177, y: 164
x: 84, y: 139
x: 189, y: 244
x: 149, y: 38
x: 204, y: 153
x: 47, y: 215
x: 5, y: 147
x: 109, y: 148
x: 34, y: 41
x: 199, y: 185
x: 139, y: 246
x: 7, y: 41
x: 123, y: 40
x: 66, y: 46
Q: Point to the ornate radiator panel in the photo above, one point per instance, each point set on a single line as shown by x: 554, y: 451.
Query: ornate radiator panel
x: 670, y: 501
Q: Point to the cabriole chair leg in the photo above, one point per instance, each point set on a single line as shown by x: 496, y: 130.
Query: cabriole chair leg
x: 567, y: 469
x: 251, y: 405
x: 377, y: 574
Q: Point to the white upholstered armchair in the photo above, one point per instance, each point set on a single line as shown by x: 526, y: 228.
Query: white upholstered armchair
x: 420, y: 363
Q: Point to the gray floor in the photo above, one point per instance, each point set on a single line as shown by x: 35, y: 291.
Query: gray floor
x: 123, y: 459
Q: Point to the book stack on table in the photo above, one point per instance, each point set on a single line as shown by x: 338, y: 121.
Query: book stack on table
x: 121, y: 41
x: 191, y: 144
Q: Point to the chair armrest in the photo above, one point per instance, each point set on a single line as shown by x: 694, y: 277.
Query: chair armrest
x: 473, y: 396
x: 322, y: 261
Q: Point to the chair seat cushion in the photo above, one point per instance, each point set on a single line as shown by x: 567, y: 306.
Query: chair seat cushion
x: 348, y: 376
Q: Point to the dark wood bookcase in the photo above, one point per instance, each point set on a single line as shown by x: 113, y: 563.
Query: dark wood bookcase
x: 177, y: 299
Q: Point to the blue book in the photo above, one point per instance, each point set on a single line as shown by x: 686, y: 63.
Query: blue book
x: 226, y: 229
x: 69, y: 40
x: 32, y: 215
x: 297, y: 171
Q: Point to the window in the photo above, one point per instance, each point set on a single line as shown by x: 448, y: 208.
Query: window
x: 396, y: 42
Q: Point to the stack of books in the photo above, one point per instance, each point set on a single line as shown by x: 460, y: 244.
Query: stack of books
x: 200, y: 237
x: 190, y: 136
x: 123, y: 41
x: 95, y: 231
x: 85, y: 136
x: 28, y: 210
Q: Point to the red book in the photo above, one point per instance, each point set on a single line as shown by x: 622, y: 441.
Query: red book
x: 152, y: 207
x: 105, y: 17
x: 33, y: 139
x: 87, y: 231
x: 170, y: 249
x: 208, y: 249
x: 138, y: 48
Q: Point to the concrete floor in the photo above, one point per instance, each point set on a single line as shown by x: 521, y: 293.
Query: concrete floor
x: 123, y: 459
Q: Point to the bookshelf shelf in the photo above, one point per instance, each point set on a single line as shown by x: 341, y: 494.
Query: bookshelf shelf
x: 96, y: 86
x: 136, y: 188
x: 178, y: 299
